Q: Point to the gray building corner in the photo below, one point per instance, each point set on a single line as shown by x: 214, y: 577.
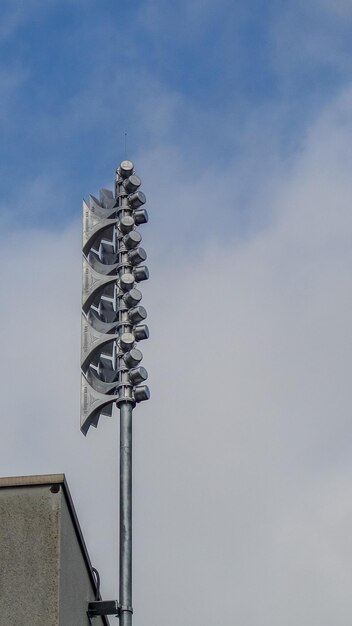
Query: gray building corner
x: 46, y: 577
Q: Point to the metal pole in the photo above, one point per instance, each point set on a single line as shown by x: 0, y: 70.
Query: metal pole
x: 125, y: 595
x: 111, y: 328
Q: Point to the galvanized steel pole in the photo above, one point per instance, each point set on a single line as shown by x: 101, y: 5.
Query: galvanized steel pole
x: 126, y: 513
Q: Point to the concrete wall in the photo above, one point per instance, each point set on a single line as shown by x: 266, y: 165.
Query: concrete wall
x: 45, y: 577
x: 75, y: 587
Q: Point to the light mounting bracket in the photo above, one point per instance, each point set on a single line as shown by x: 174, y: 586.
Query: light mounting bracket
x: 107, y: 607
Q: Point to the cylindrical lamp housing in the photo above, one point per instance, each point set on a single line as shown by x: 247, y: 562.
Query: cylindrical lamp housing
x: 126, y: 224
x: 140, y: 216
x: 136, y: 199
x: 141, y: 273
x: 126, y: 282
x: 138, y: 375
x: 137, y: 314
x: 141, y: 393
x: 137, y: 256
x: 132, y: 297
x: 141, y: 332
x: 133, y: 357
x: 126, y: 169
x: 126, y: 341
x: 132, y: 183
x: 132, y: 239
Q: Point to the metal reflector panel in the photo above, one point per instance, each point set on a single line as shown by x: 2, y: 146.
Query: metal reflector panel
x: 93, y: 226
x: 107, y: 198
x: 92, y: 283
x: 101, y: 268
x: 92, y: 404
x: 98, y: 209
x: 91, y: 342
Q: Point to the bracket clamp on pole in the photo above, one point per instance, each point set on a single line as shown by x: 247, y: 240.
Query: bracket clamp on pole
x: 106, y: 607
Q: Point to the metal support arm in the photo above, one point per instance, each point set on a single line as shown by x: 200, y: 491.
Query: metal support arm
x: 107, y: 607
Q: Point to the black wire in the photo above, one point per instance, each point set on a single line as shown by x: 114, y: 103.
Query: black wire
x: 97, y: 577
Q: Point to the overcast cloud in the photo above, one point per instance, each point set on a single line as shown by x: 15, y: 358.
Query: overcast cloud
x: 242, y: 457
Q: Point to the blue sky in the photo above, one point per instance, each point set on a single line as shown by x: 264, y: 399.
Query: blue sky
x: 197, y: 76
x: 239, y: 120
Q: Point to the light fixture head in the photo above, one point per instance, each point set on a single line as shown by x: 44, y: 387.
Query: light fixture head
x: 126, y: 341
x: 141, y: 393
x: 138, y: 375
x: 137, y: 314
x: 132, y: 297
x: 140, y: 216
x: 141, y: 273
x: 141, y: 332
x: 132, y: 239
x: 132, y: 183
x: 133, y: 357
x: 126, y: 282
x: 125, y: 169
x: 136, y: 199
x: 137, y: 256
x: 126, y: 224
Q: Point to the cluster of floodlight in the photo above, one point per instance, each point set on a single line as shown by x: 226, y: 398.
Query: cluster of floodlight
x: 112, y: 316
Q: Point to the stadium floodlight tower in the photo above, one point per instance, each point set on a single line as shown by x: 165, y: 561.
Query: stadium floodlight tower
x: 112, y: 325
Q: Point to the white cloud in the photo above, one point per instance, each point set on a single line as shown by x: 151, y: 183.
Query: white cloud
x: 242, y: 467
